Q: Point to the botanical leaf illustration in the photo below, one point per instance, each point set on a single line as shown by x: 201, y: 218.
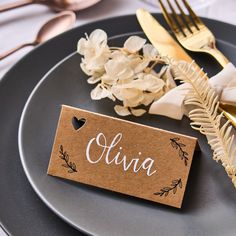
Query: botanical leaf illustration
x: 166, y: 190
x: 205, y: 117
x: 175, y: 143
x: 68, y: 164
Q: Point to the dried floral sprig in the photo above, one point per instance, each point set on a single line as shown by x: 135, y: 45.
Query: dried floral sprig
x: 205, y: 117
x: 166, y: 190
x: 68, y: 164
x: 124, y: 73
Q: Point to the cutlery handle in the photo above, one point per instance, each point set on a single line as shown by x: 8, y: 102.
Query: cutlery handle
x: 14, y: 5
x: 219, y: 56
x: 229, y: 112
x: 8, y: 53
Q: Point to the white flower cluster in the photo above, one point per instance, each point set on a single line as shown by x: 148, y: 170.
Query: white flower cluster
x: 124, y: 73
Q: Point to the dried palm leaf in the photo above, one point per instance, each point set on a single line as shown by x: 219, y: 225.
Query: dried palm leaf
x: 205, y: 117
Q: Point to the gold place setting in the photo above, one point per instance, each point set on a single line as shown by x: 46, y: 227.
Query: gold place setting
x: 118, y: 117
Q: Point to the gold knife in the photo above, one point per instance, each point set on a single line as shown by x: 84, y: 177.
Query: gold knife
x: 167, y: 46
x: 160, y: 37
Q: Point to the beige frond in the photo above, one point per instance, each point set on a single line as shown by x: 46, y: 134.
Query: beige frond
x: 204, y: 115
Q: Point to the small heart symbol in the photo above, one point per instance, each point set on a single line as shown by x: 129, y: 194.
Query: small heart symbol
x: 78, y: 124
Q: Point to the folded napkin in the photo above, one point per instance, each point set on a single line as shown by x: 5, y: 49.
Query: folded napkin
x: 172, y: 103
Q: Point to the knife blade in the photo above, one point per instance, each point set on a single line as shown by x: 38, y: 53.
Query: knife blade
x: 160, y: 37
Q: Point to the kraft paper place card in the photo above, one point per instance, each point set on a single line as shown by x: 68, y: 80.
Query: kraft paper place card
x: 122, y: 156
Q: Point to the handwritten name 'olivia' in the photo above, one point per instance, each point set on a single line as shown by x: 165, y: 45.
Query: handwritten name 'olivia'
x: 118, y: 159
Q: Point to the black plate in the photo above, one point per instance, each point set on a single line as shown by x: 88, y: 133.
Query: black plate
x: 21, y: 211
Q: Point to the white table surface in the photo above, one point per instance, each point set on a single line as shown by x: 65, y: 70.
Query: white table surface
x: 21, y: 25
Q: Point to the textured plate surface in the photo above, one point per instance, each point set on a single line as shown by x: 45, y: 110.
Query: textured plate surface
x: 92, y: 210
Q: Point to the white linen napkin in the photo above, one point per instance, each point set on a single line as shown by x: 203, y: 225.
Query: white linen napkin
x: 172, y: 103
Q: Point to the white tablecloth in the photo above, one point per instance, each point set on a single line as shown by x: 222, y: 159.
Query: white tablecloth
x: 21, y: 25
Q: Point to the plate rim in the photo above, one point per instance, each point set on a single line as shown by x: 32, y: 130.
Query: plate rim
x: 20, y: 134
x: 20, y: 145
x: 8, y: 73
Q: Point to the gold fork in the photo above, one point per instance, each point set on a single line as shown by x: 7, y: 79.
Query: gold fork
x: 193, y: 35
x: 190, y: 31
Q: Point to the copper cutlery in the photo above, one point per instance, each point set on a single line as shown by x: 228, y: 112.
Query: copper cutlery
x: 56, y: 25
x: 55, y: 5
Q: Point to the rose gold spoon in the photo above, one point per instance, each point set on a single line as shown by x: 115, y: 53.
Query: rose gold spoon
x: 56, y: 5
x: 56, y: 25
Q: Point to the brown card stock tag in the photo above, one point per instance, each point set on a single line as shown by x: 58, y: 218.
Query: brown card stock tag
x: 122, y: 156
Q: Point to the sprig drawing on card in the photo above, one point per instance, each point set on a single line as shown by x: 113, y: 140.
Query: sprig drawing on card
x: 204, y: 115
x: 175, y: 143
x: 166, y: 190
x: 68, y: 164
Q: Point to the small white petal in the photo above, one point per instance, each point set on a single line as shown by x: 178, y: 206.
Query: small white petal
x: 114, y: 67
x: 99, y: 60
x: 134, y: 43
x: 126, y: 74
x: 141, y: 66
x: 132, y: 97
x: 149, y: 50
x: 135, y: 84
x: 118, y: 70
x: 130, y: 93
x: 81, y: 46
x: 118, y: 55
x: 122, y: 111
x: 117, y: 93
x: 84, y: 68
x: 154, y: 84
x: 131, y: 102
x: 93, y: 80
x: 138, y: 112
x: 99, y: 92
x: 133, y: 61
x: 99, y: 37
x: 108, y: 80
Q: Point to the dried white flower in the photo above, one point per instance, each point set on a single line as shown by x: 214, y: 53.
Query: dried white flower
x: 95, y: 51
x: 125, y: 74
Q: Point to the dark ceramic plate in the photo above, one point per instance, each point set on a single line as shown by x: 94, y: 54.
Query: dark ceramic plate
x: 209, y: 204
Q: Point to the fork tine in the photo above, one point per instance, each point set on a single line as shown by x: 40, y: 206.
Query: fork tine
x: 195, y: 18
x: 186, y: 18
x: 179, y: 20
x: 169, y: 19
